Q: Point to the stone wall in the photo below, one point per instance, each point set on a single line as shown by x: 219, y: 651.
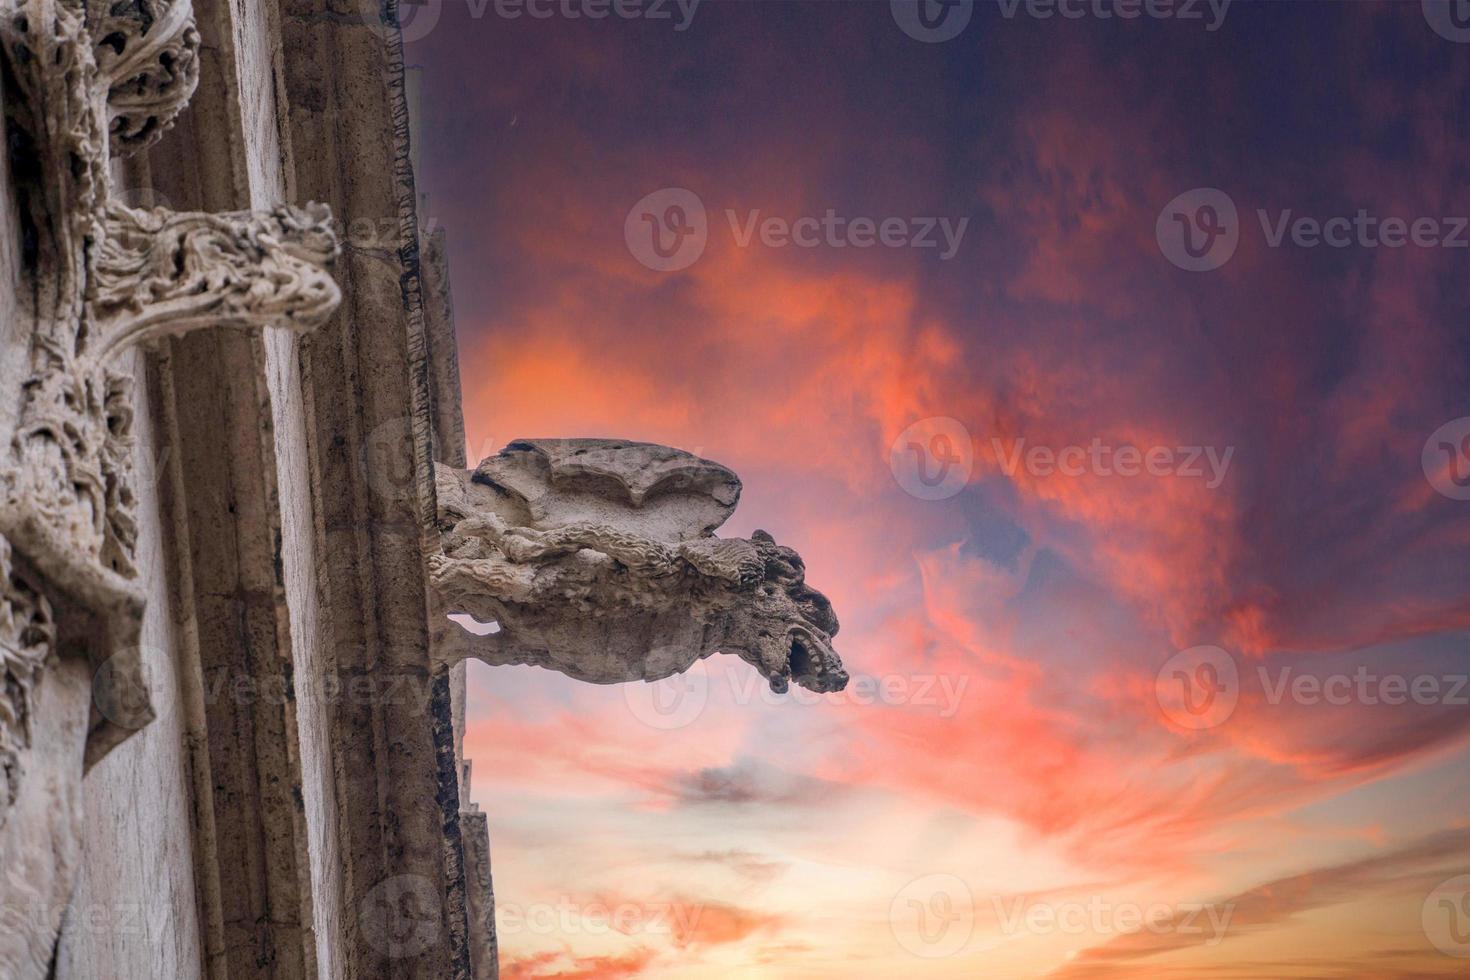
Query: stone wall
x: 278, y: 768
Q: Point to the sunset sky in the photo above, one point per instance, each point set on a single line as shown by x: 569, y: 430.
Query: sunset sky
x: 1006, y: 786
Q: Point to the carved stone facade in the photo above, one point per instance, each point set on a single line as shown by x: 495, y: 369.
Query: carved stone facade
x: 235, y: 514
x: 85, y: 82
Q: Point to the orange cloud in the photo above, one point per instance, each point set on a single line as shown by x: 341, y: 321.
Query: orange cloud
x: 565, y: 966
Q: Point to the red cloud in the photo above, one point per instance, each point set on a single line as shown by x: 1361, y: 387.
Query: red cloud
x: 1059, y: 323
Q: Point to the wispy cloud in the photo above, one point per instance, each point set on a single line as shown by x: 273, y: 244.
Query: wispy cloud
x: 1413, y: 869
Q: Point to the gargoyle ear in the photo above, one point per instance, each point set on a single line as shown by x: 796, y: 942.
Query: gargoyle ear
x: 762, y: 537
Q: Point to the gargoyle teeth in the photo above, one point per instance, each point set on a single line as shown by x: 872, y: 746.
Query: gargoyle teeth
x: 800, y: 658
x: 813, y: 670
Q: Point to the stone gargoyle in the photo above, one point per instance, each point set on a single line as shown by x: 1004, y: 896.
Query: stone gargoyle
x: 597, y: 558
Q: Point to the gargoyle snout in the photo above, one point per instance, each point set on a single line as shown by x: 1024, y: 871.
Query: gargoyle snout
x: 814, y: 664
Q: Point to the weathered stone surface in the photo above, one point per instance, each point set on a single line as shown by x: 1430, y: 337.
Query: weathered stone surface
x: 597, y: 558
x: 85, y: 80
x: 41, y: 843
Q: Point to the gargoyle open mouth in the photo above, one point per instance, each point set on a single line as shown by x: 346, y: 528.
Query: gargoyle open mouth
x: 814, y: 665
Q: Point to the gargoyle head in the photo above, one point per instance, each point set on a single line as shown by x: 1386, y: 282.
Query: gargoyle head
x: 785, y: 629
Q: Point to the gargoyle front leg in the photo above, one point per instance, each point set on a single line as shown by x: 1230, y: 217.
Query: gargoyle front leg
x: 504, y: 648
x: 501, y: 648
x: 469, y: 582
x: 733, y: 561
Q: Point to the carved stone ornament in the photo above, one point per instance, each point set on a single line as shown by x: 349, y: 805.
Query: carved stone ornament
x: 597, y: 558
x: 84, y: 79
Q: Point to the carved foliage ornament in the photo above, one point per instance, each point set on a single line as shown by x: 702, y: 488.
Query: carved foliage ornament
x: 84, y: 79
x: 597, y: 558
